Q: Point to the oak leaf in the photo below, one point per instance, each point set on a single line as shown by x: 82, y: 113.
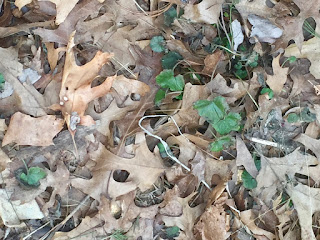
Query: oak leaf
x: 104, y: 222
x: 144, y: 169
x: 76, y: 91
x: 26, y: 130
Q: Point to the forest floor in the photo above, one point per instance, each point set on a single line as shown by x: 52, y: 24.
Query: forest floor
x: 160, y: 119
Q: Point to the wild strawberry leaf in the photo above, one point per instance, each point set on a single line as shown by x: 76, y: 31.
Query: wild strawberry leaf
x: 166, y: 79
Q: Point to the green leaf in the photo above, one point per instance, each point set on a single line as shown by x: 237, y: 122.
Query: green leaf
x: 166, y: 79
x: 248, y: 181
x: 2, y: 81
x: 241, y: 73
x: 215, y: 113
x: 162, y: 150
x: 170, y: 15
x: 214, y: 110
x: 170, y: 59
x: 292, y: 59
x: 172, y: 232
x: 228, y: 124
x: 252, y: 61
x: 267, y: 90
x: 293, y: 117
x: 158, y: 44
x: 221, y: 143
x: 307, y: 116
x: 161, y: 94
x: 33, y: 177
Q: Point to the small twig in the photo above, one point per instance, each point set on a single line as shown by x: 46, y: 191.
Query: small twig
x: 166, y: 146
x: 57, y: 227
x: 264, y: 142
x: 36, y: 230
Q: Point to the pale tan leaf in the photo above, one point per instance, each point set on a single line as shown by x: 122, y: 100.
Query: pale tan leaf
x: 310, y: 50
x: 63, y: 9
x: 306, y: 202
x: 205, y: 12
x: 244, y: 158
x: 279, y: 77
x: 26, y: 130
x: 13, y: 212
x: 309, y: 143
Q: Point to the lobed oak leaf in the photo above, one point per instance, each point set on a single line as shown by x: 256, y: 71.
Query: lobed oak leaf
x: 76, y: 91
x: 144, y: 169
x: 26, y: 130
x: 104, y: 222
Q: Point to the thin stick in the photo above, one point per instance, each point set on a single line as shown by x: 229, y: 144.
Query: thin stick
x: 166, y: 146
x: 30, y: 234
x: 57, y: 227
x: 264, y: 142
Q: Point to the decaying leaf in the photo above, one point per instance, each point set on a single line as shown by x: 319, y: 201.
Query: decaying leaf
x: 205, y: 12
x: 26, y: 130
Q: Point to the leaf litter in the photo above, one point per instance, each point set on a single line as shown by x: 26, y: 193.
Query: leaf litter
x: 159, y: 119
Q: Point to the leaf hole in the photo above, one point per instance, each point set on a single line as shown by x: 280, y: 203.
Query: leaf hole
x: 120, y: 175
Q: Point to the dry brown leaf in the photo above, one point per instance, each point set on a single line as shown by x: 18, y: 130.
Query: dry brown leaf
x: 26, y: 130
x: 13, y: 212
x: 94, y: 29
x: 76, y: 91
x: 4, y: 160
x: 310, y: 50
x: 188, y: 151
x: 306, y: 202
x: 279, y: 77
x: 53, y: 54
x: 213, y: 223
x: 248, y: 217
x: 144, y: 169
x: 211, y: 61
x: 235, y: 91
x: 178, y: 46
x: 244, y: 158
x: 22, y: 99
x: 275, y: 171
x: 299, y: 82
x: 175, y: 211
x: 205, y: 12
x: 309, y: 143
x: 62, y: 33
x: 105, y: 223
x: 313, y: 130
